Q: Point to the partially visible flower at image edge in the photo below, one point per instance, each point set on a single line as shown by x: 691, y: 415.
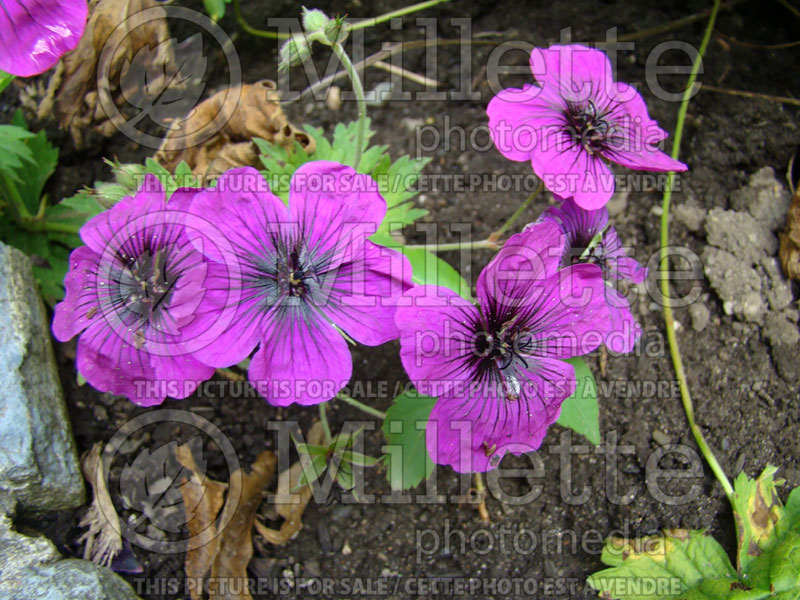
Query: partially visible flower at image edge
x: 35, y: 34
x: 581, y: 226
x: 130, y: 293
x: 305, y: 275
x: 575, y: 120
x: 497, y: 369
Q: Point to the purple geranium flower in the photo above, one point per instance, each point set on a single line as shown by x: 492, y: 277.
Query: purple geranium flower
x: 131, y: 293
x: 575, y: 120
x: 34, y: 34
x: 301, y: 276
x: 581, y: 227
x: 497, y: 368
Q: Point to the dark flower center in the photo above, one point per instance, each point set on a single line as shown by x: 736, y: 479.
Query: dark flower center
x: 588, y: 126
x: 291, y: 275
x: 595, y: 256
x: 500, y: 346
x: 144, y: 284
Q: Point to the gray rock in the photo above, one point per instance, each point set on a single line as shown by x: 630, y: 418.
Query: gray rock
x: 700, y: 316
x: 777, y: 288
x: 38, y: 464
x: 740, y: 234
x: 31, y: 567
x: 764, y: 198
x: 690, y: 214
x: 737, y: 284
x: 781, y: 328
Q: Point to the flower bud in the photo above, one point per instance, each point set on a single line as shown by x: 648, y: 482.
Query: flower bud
x: 314, y: 20
x: 294, y: 52
x: 337, y: 31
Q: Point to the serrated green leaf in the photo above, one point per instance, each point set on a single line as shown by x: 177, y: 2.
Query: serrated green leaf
x: 756, y: 509
x: 359, y: 459
x: 33, y: 174
x: 404, y: 427
x: 669, y: 565
x: 581, y: 412
x: 14, y: 152
x: 51, y: 278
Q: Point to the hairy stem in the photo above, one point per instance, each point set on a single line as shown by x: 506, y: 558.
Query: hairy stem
x: 669, y: 321
x: 362, y: 102
x: 360, y: 406
x: 395, y: 13
x: 487, y: 244
x: 323, y: 418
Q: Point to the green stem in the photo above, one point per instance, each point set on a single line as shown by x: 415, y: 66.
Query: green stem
x: 272, y: 35
x: 395, y: 13
x: 323, y: 418
x: 674, y: 351
x: 362, y: 102
x: 32, y: 224
x: 496, y: 235
x: 5, y: 79
x: 367, y: 409
x: 479, y: 245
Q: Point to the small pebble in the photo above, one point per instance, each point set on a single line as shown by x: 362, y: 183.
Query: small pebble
x: 661, y: 438
x: 346, y: 549
x: 334, y: 98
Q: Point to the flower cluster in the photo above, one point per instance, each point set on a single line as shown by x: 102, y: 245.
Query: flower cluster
x: 165, y: 292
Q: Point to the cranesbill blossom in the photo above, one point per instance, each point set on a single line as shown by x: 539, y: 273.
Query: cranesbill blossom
x: 575, y: 120
x: 581, y: 227
x: 34, y: 34
x: 497, y: 368
x: 297, y: 278
x: 131, y: 293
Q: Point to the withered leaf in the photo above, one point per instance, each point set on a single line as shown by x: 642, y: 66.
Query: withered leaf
x: 103, y: 539
x: 72, y: 92
x: 255, y: 114
x: 206, y: 496
x: 229, y: 544
x: 789, y: 251
x: 236, y: 546
x: 291, y: 505
x: 164, y: 89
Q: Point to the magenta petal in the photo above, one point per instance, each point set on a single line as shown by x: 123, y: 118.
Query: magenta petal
x: 526, y: 261
x: 517, y: 118
x: 624, y: 331
x: 364, y: 296
x: 35, y: 34
x: 71, y: 316
x: 335, y: 207
x: 572, y: 313
x: 302, y: 359
x: 579, y: 73
x: 473, y: 431
x: 435, y: 338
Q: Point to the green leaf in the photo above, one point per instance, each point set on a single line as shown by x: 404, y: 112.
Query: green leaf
x: 428, y: 269
x: 359, y: 459
x: 14, y: 152
x: 5, y: 79
x: 756, y: 509
x: 768, y: 532
x: 668, y: 565
x: 51, y: 277
x: 312, y: 470
x: 33, y: 175
x: 581, y: 412
x: 404, y: 427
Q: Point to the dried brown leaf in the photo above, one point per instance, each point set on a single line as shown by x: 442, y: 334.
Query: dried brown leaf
x: 72, y: 90
x: 789, y: 252
x: 103, y: 539
x: 236, y: 546
x: 291, y: 505
x: 206, y: 496
x: 257, y: 113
